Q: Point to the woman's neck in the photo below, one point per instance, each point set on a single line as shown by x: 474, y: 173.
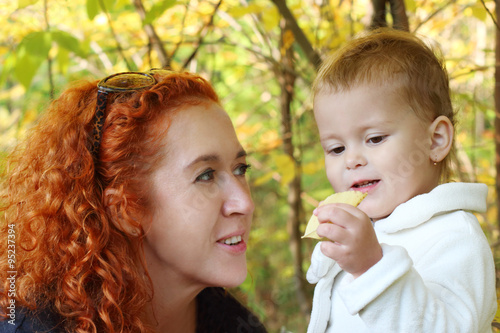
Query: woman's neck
x: 175, y: 317
x: 173, y: 308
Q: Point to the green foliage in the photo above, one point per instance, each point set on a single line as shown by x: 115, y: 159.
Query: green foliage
x: 25, y: 3
x: 30, y: 54
x: 157, y: 10
x: 94, y: 7
x: 33, y: 51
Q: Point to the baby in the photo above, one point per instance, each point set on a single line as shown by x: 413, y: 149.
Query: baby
x: 411, y: 257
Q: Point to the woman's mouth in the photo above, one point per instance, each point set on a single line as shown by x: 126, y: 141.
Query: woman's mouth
x: 235, y: 240
x: 233, y: 244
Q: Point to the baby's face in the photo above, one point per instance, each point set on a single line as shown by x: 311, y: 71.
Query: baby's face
x: 373, y: 142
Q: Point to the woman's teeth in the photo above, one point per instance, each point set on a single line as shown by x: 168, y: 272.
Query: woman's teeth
x: 232, y: 240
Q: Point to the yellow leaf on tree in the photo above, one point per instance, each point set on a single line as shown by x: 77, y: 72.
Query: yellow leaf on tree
x: 239, y: 11
x: 263, y: 179
x: 312, y: 168
x: 286, y: 168
x: 288, y: 39
x: 271, y: 18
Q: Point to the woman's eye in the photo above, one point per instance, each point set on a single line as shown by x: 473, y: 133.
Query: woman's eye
x: 337, y: 150
x: 241, y: 169
x: 377, y: 139
x: 207, y: 175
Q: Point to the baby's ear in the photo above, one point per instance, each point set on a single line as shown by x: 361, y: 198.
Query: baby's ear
x: 441, y: 131
x: 114, y: 201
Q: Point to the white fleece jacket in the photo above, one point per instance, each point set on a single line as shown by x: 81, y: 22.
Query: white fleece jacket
x: 436, y: 275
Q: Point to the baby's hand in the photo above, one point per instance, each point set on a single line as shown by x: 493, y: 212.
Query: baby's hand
x: 354, y: 245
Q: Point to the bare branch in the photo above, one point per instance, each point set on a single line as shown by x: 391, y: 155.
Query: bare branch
x: 154, y: 40
x: 427, y: 19
x: 202, y: 34
x: 300, y: 37
x: 115, y: 36
x: 491, y: 14
x: 181, y: 33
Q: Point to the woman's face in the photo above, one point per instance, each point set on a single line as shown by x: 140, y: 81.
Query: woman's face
x: 202, y: 205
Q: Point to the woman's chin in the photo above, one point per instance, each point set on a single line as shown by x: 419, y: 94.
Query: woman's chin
x: 234, y: 278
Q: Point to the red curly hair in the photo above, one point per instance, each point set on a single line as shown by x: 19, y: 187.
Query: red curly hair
x: 74, y: 254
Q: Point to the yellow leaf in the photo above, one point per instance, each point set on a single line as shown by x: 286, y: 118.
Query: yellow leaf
x: 270, y: 140
x: 263, y: 179
x: 246, y: 131
x: 312, y: 168
x: 29, y: 116
x: 271, y: 18
x: 411, y: 6
x: 288, y: 39
x: 479, y: 12
x: 348, y: 197
x: 286, y: 168
x: 239, y: 11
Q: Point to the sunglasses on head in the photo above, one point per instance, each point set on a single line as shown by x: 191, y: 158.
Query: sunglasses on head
x: 119, y: 82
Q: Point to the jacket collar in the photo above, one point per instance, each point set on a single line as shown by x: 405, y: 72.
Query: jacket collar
x: 444, y: 198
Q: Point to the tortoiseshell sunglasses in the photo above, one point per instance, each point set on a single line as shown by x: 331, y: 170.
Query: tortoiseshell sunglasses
x: 119, y: 82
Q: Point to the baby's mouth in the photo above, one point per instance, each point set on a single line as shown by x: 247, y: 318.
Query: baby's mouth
x: 365, y: 184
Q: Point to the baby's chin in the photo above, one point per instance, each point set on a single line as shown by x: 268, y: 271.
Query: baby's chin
x: 372, y: 213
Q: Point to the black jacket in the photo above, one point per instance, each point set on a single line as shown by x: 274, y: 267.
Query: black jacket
x: 218, y: 312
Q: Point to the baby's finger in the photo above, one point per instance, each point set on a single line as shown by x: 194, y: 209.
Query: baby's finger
x: 335, y: 213
x: 331, y: 250
x: 333, y: 232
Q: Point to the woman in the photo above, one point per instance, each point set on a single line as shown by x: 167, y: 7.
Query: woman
x: 126, y: 210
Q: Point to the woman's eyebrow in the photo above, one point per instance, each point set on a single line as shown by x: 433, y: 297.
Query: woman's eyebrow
x: 204, y: 158
x: 213, y: 158
x: 241, y: 153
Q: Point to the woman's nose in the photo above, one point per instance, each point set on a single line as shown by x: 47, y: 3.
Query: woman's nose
x: 237, y: 198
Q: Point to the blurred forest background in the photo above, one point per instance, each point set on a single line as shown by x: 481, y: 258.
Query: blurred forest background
x: 261, y: 56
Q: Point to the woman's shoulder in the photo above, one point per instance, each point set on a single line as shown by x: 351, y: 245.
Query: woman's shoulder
x: 219, y: 311
x: 25, y: 321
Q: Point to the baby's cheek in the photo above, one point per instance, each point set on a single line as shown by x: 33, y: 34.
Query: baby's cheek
x: 334, y: 177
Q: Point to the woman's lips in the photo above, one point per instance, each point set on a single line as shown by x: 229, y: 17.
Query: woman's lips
x: 237, y: 248
x: 233, y: 243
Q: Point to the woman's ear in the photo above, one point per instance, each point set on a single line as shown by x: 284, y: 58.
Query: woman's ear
x: 441, y: 131
x: 113, y: 199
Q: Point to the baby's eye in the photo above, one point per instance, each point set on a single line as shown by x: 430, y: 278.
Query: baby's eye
x: 377, y: 139
x: 337, y: 150
x: 206, y: 176
x: 241, y: 169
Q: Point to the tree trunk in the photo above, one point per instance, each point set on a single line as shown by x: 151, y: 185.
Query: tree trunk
x: 379, y: 14
x: 286, y: 79
x: 398, y: 13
